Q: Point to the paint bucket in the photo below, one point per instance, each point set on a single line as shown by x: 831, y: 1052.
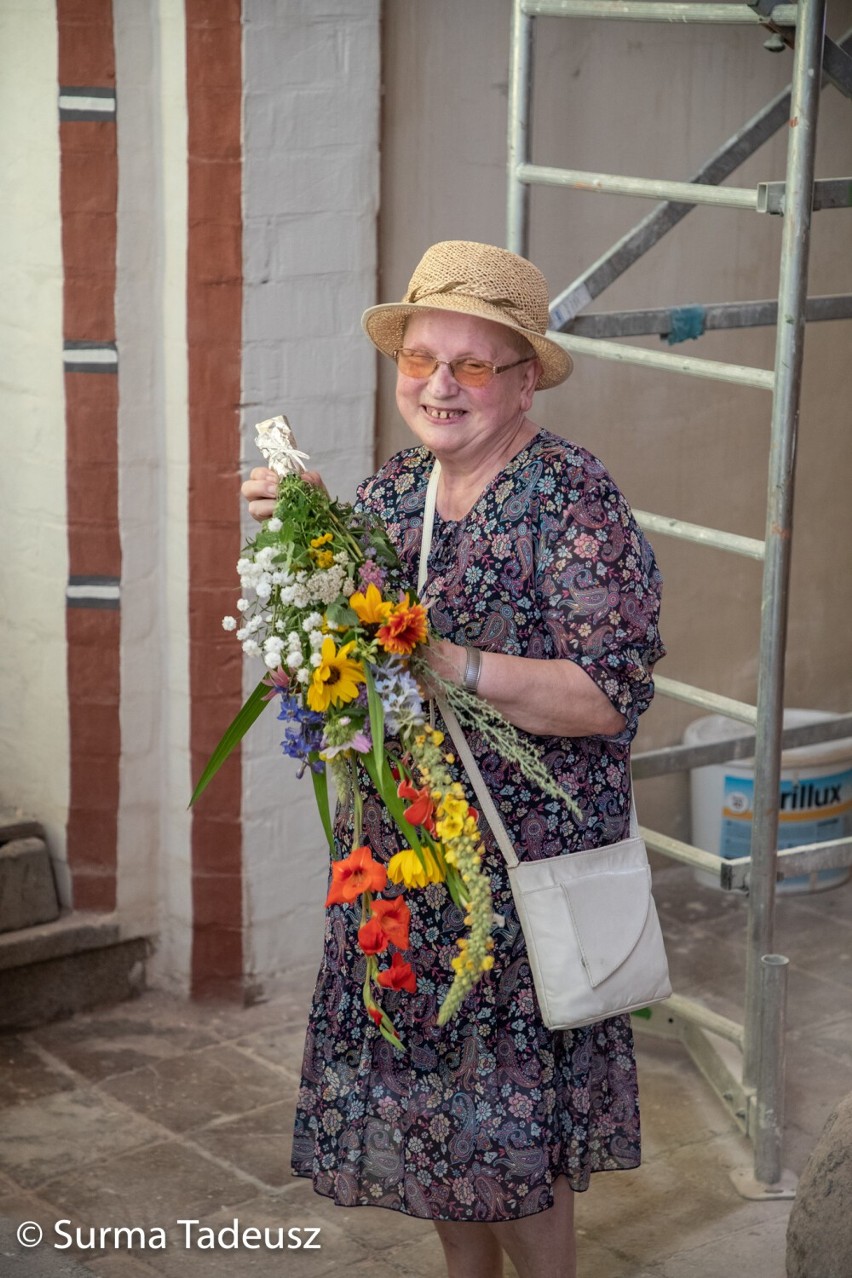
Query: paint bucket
x: 815, y: 798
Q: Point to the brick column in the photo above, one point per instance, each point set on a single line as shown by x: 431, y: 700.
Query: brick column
x: 89, y: 177
x: 214, y: 333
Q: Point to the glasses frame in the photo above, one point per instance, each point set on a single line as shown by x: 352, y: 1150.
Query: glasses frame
x: 451, y: 364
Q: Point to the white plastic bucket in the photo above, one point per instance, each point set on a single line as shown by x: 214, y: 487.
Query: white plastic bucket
x: 815, y: 797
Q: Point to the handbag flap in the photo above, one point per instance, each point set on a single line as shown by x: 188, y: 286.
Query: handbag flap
x: 609, y: 911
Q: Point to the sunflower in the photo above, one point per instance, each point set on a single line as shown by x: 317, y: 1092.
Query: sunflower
x: 336, y: 678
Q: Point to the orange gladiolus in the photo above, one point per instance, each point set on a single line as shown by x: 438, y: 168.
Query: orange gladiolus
x: 393, y: 918
x: 404, y: 629
x: 421, y: 808
x: 354, y: 874
x: 399, y: 976
x: 371, y: 936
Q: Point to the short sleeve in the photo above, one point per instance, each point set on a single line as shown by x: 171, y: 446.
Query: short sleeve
x: 598, y: 585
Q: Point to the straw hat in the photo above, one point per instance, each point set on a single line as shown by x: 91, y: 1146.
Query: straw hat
x: 475, y: 279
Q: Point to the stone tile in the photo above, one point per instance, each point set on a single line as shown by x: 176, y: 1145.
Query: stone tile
x: 119, y: 1265
x: 332, y: 1250
x: 689, y: 1189
x: 16, y: 1206
x: 375, y: 1228
x: 816, y: 1082
x: 99, y: 1045
x: 758, y: 1249
x: 834, y: 1038
x: 677, y: 1106
x: 70, y: 1129
x: 197, y: 1088
x: 24, y: 1073
x: 257, y: 1143
x: 281, y: 1045
x: 152, y: 1188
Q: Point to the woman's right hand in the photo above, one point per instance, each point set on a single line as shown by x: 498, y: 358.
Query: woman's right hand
x: 260, y: 490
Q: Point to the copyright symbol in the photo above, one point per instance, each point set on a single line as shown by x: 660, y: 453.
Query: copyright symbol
x: 30, y: 1233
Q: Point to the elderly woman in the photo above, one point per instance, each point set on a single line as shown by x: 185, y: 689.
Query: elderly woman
x: 546, y: 596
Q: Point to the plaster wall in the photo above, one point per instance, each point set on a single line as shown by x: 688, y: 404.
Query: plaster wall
x: 154, y: 864
x: 311, y: 167
x: 647, y: 100
x: 33, y: 693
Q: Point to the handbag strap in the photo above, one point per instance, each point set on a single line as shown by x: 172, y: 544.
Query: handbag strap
x: 486, y: 803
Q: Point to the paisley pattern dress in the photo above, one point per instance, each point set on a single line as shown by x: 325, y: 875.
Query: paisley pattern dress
x: 475, y: 1120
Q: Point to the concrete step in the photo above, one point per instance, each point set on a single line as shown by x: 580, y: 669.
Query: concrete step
x: 74, y: 963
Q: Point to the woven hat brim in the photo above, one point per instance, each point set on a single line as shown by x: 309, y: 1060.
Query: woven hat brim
x: 385, y: 327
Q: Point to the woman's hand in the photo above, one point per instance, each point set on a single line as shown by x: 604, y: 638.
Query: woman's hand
x: 260, y: 490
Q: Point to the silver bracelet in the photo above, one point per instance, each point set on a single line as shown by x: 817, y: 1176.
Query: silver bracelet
x: 472, y: 669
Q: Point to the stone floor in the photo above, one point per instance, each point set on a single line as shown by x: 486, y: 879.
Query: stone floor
x: 156, y: 1111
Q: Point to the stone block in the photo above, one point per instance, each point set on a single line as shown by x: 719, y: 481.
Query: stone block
x: 819, y: 1231
x: 27, y: 887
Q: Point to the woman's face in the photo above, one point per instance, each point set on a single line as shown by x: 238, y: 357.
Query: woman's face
x: 462, y: 422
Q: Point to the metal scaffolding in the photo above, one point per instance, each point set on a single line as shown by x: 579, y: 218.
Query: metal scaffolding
x: 753, y: 1088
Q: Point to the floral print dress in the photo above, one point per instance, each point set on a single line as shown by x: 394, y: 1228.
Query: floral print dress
x: 475, y: 1120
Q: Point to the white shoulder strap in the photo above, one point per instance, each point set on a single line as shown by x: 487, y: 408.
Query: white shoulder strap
x: 428, y: 524
x: 486, y: 803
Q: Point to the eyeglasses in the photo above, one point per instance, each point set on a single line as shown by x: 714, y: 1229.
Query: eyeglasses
x: 467, y: 372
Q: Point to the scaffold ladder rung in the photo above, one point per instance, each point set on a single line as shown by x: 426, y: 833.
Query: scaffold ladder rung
x: 751, y: 547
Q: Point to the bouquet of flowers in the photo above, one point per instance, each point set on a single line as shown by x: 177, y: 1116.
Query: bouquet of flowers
x: 325, y: 606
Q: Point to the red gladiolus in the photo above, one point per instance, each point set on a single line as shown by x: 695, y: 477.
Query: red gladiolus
x: 354, y: 874
x: 422, y: 807
x: 371, y: 937
x: 376, y: 1013
x: 399, y: 976
x: 393, y: 917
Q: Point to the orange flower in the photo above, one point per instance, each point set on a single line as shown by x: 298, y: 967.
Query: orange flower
x: 422, y: 806
x: 399, y: 976
x: 371, y: 937
x: 376, y: 1013
x: 356, y: 873
x: 404, y: 629
x: 393, y: 917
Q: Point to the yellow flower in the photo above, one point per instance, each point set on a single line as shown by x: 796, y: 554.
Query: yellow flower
x: 370, y: 608
x: 406, y: 867
x: 316, y: 542
x: 451, y: 817
x: 336, y: 678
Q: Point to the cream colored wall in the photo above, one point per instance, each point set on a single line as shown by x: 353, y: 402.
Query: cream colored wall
x: 154, y: 869
x: 34, y: 739
x: 652, y: 101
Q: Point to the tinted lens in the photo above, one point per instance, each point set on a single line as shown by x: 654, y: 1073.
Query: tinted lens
x: 416, y: 363
x: 470, y: 372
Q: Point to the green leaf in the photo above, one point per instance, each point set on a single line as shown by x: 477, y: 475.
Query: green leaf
x: 232, y: 737
x: 377, y: 721
x: 386, y: 787
x: 340, y: 614
x: 320, y: 780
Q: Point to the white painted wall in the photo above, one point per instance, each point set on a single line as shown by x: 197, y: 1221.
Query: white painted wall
x: 34, y: 572
x: 154, y: 894
x: 311, y: 157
